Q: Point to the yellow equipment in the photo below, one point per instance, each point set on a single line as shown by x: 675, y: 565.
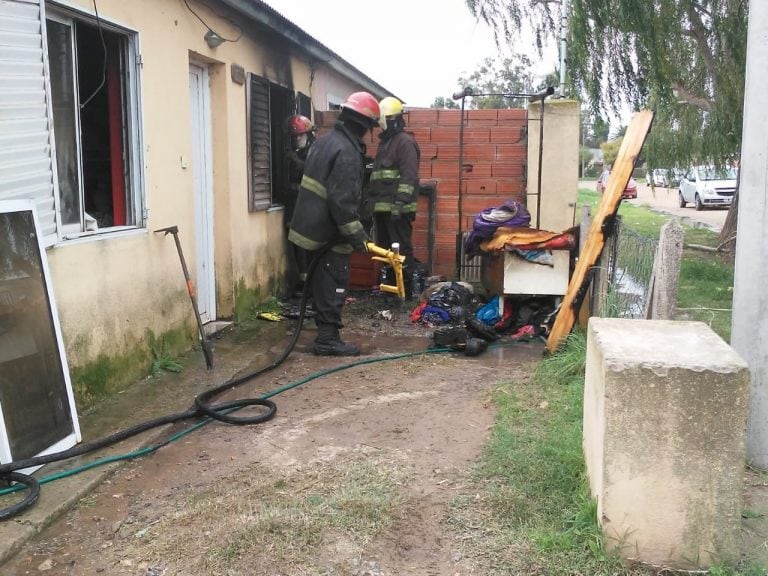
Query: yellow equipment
x: 394, y: 259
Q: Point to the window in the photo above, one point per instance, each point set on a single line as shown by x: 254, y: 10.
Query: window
x: 335, y: 102
x: 94, y: 100
x: 269, y: 105
x: 259, y: 151
x: 304, y: 105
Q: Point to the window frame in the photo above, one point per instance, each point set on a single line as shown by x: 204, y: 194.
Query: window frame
x: 132, y: 122
x: 334, y: 101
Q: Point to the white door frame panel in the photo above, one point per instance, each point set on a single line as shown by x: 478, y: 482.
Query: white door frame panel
x: 202, y: 175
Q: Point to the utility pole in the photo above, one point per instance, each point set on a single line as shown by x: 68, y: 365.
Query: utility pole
x: 564, y: 7
x: 749, y: 327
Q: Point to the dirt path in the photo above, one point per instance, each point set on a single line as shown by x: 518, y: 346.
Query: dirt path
x: 665, y: 200
x: 356, y: 475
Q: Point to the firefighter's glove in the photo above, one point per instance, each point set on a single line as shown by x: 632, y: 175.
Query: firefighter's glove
x: 397, y: 210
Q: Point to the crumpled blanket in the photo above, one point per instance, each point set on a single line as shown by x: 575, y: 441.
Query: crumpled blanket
x: 510, y: 213
x: 509, y: 238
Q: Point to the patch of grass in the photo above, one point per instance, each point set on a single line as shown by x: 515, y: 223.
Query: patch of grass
x: 162, y: 362
x: 533, y: 513
x: 705, y: 293
x: 747, y: 513
x: 642, y: 220
x: 275, y: 525
x: 748, y: 569
x: 702, y: 236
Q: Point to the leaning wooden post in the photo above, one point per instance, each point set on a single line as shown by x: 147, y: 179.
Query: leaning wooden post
x: 609, y: 204
x: 661, y: 297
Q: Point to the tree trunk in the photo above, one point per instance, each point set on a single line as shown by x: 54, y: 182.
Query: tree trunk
x: 727, y: 241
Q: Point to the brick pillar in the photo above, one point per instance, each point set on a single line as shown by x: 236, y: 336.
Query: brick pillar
x: 665, y: 409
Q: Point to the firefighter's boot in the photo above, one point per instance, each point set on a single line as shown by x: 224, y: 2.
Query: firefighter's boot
x: 329, y: 343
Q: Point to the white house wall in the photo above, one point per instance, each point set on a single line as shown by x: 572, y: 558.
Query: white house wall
x: 112, y: 288
x: 329, y: 90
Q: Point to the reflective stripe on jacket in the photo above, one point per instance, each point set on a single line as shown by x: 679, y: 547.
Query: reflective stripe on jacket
x: 327, y: 208
x: 395, y: 176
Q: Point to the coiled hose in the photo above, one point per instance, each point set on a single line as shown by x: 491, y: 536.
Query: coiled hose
x: 202, y: 406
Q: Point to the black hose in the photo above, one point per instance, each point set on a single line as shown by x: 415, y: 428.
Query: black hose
x: 34, y: 493
x: 202, y: 407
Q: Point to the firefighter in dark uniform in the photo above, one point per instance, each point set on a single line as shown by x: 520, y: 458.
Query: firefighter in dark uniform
x: 394, y: 184
x: 328, y: 214
x: 300, y: 132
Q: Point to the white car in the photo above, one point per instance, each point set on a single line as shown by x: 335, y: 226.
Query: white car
x: 705, y: 186
x: 658, y: 177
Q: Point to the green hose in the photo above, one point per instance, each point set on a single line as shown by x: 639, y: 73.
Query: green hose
x: 190, y: 429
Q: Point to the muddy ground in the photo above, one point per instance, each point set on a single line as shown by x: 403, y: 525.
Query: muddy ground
x: 357, y: 473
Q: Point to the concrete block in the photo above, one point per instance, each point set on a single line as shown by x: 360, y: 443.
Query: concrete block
x: 665, y: 411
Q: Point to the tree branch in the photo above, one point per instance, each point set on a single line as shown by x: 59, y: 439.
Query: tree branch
x: 700, y: 9
x: 687, y: 96
x: 699, y: 33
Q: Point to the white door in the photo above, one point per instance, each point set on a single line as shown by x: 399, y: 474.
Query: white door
x: 202, y: 174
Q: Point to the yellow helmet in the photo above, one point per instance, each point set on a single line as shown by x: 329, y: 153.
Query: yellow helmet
x: 389, y: 106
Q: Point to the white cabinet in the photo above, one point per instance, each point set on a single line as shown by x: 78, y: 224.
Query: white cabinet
x: 523, y: 277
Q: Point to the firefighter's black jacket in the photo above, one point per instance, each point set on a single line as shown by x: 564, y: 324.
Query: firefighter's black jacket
x: 327, y: 209
x: 395, y: 176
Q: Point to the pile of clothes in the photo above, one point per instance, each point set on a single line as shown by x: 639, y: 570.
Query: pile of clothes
x: 506, y: 228
x: 456, y: 304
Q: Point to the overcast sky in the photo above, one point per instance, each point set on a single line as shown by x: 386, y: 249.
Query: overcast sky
x: 417, y: 49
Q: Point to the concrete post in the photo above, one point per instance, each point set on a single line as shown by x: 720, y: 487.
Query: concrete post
x: 665, y: 409
x: 662, y: 292
x: 749, y: 333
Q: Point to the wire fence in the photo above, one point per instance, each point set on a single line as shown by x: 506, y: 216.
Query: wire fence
x: 620, y: 285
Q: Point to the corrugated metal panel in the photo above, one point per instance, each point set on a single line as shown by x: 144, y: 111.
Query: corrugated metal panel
x: 26, y: 169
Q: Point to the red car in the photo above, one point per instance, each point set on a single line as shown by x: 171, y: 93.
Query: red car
x: 630, y: 192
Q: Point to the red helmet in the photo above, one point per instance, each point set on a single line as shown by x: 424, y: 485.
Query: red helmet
x: 299, y: 125
x: 364, y: 104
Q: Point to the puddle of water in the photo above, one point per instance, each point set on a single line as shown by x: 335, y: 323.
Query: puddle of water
x: 690, y: 222
x: 631, y: 294
x: 696, y: 223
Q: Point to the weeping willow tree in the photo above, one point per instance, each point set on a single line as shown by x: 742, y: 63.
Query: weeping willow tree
x: 683, y: 58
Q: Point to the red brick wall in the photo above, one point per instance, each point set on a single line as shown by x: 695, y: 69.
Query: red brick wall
x: 494, y: 155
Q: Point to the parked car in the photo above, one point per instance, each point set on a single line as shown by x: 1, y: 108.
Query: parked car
x: 674, y: 176
x: 630, y: 191
x: 658, y: 177
x: 705, y: 186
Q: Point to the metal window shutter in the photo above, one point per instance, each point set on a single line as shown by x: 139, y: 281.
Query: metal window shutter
x: 261, y: 159
x: 26, y: 168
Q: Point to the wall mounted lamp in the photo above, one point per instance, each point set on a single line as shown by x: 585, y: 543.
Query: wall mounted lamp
x: 213, y: 39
